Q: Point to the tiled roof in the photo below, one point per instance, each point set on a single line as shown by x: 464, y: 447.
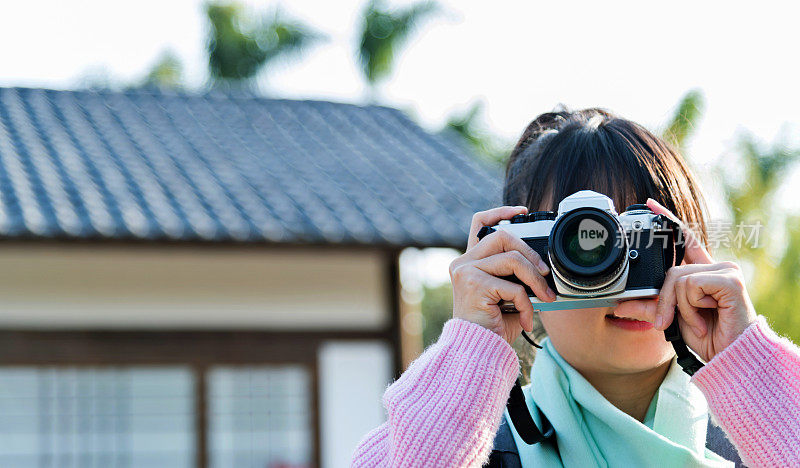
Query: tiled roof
x: 156, y: 166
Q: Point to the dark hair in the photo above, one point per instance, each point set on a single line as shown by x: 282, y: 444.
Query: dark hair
x: 562, y: 152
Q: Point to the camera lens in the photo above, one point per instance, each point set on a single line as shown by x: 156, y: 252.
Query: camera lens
x: 588, y: 248
x: 596, y: 250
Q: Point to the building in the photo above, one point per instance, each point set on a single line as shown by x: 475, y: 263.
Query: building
x: 209, y: 280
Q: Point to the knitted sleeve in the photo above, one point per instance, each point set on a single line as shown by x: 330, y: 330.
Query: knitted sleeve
x: 445, y: 408
x: 753, y: 391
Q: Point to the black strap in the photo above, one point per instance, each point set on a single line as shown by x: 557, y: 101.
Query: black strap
x: 688, y: 361
x: 522, y: 419
x: 677, y: 244
x: 678, y: 240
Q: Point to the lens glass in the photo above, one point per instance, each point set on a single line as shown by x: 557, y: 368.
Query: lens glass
x: 586, y: 241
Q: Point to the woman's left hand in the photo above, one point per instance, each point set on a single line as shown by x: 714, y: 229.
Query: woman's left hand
x: 711, y: 297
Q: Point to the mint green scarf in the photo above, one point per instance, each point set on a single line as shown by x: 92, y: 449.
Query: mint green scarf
x: 590, y: 431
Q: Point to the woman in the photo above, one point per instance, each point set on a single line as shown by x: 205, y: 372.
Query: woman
x: 612, y: 391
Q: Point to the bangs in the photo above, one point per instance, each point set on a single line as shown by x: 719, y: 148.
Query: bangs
x: 594, y: 160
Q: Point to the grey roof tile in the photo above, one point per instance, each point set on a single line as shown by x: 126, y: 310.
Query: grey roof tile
x: 150, y: 165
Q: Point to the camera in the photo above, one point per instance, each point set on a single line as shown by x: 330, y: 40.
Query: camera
x: 597, y: 257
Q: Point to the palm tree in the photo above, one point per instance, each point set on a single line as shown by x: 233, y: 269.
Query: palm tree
x: 383, y: 33
x: 750, y: 178
x: 770, y: 242
x: 239, y: 47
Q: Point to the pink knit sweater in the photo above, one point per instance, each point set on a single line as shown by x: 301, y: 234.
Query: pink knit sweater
x: 445, y: 409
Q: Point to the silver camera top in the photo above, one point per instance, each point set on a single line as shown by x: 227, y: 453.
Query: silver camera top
x: 635, y: 220
x: 586, y: 199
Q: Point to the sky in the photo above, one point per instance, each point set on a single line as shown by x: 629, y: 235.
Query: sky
x: 519, y: 58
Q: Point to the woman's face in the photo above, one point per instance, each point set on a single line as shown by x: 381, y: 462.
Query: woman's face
x: 591, y: 340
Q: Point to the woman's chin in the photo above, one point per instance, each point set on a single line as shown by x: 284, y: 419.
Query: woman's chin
x: 589, y: 339
x: 629, y: 356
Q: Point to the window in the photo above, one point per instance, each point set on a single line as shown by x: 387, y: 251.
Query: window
x: 188, y: 398
x: 145, y: 416
x: 259, y: 416
x: 96, y: 417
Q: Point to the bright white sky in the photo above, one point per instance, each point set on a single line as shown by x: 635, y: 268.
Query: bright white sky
x: 521, y: 58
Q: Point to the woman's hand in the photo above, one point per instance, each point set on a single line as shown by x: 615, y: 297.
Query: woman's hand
x: 477, y: 290
x: 711, y: 297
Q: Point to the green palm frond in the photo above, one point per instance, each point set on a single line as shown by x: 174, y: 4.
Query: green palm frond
x: 764, y: 171
x: 469, y: 127
x: 384, y: 32
x: 239, y: 47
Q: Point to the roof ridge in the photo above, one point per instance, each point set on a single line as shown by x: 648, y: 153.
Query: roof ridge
x: 204, y: 93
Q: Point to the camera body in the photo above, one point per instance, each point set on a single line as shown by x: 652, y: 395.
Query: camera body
x: 597, y: 257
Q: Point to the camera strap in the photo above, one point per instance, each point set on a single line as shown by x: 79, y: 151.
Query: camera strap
x: 676, y: 246
x: 523, y: 421
x: 686, y: 359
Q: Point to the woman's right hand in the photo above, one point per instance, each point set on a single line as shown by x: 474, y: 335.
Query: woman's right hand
x: 477, y: 290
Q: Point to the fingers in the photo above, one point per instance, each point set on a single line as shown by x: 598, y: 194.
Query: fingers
x: 502, y: 241
x: 485, y: 291
x: 668, y: 297
x: 508, y: 291
x: 695, y: 252
x: 515, y: 263
x: 687, y: 309
x: 490, y: 218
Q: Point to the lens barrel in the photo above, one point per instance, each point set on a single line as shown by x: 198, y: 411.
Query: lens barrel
x: 588, y: 248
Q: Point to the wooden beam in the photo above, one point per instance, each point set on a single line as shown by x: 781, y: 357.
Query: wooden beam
x: 37, y: 347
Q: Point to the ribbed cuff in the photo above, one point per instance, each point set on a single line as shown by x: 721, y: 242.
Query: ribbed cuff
x: 482, y: 344
x: 752, y: 388
x: 445, y: 408
x: 747, y: 358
